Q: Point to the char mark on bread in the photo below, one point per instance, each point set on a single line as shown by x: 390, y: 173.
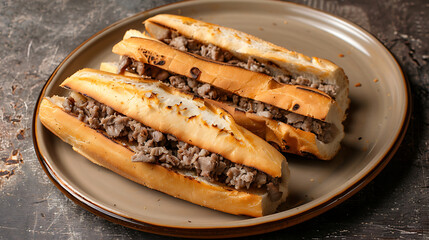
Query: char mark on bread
x: 153, y: 58
x: 195, y: 73
x: 295, y: 107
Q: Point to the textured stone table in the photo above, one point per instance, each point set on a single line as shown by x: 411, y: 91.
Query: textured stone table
x: 35, y: 36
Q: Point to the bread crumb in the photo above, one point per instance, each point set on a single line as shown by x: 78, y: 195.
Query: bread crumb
x: 375, y: 80
x: 311, y: 179
x: 358, y: 85
x: 274, y: 24
x: 261, y: 29
x: 285, y: 22
x: 341, y: 55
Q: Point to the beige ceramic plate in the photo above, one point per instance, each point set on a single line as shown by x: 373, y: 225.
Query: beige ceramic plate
x: 377, y: 121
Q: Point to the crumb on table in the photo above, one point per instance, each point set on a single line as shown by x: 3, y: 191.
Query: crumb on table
x: 358, y: 85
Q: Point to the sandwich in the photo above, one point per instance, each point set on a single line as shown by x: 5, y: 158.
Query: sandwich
x: 294, y: 102
x: 168, y: 141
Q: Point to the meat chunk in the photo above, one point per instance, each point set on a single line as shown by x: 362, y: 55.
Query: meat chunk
x: 206, y: 91
x: 143, y: 157
x: 240, y: 176
x: 207, y: 165
x: 115, y: 125
x: 212, y: 52
x: 157, y: 136
x: 179, y: 43
x: 256, y: 66
x: 179, y: 82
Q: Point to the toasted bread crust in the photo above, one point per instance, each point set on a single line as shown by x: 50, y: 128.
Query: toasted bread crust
x: 170, y: 111
x: 299, y: 99
x: 284, y: 136
x: 104, y: 152
x: 243, y: 45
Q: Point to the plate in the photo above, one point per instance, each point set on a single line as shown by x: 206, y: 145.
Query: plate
x: 378, y: 118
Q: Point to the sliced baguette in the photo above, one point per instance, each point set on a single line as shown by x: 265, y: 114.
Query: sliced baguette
x: 284, y: 136
x: 114, y: 156
x: 169, y: 111
x: 278, y: 59
x: 298, y: 99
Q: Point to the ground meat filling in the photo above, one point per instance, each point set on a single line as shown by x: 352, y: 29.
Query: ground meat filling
x: 215, y: 53
x: 155, y: 147
x: 325, y: 132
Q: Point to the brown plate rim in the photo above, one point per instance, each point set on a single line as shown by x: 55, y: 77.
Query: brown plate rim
x: 216, y: 232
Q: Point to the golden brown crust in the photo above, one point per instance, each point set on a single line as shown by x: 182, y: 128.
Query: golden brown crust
x: 243, y: 45
x: 301, y: 100
x: 167, y: 110
x: 111, y: 155
x: 284, y: 136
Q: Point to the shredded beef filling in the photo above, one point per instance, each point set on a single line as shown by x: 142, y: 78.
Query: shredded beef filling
x: 155, y: 147
x: 325, y: 132
x: 215, y: 53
